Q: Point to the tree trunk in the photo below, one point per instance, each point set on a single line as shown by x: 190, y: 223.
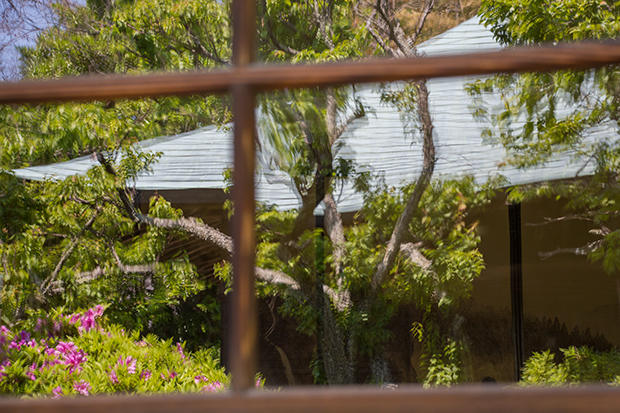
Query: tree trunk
x: 338, y: 367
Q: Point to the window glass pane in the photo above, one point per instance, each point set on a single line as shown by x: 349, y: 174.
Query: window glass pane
x: 347, y: 294
x: 338, y: 169
x: 445, y: 309
x: 560, y: 129
x: 108, y: 285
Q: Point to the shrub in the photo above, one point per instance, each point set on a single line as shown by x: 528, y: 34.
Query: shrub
x: 580, y: 365
x: 61, y: 355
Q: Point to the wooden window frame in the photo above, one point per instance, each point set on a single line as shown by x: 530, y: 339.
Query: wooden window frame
x: 243, y: 81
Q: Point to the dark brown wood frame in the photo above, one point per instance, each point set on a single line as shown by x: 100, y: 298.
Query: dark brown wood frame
x: 243, y: 81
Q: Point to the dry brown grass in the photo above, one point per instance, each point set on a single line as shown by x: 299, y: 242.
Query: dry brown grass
x: 446, y: 15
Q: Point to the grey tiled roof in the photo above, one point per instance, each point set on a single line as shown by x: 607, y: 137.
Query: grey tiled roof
x: 378, y: 143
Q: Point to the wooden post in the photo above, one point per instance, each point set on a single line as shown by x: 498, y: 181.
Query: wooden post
x: 243, y: 329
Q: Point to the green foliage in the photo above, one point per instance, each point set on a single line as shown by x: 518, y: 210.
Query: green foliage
x: 52, y: 354
x: 289, y: 31
x: 547, y: 116
x: 444, y: 238
x: 539, y: 21
x: 547, y: 113
x: 443, y: 368
x: 80, y: 247
x: 579, y: 365
x: 129, y: 38
x: 18, y: 208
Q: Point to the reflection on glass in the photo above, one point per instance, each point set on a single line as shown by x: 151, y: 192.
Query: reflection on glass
x: 100, y: 292
x: 383, y: 246
x: 364, y: 218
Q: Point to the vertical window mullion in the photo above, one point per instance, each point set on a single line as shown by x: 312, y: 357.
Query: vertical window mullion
x: 243, y: 331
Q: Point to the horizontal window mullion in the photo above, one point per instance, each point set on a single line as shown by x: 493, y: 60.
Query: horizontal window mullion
x: 271, y: 77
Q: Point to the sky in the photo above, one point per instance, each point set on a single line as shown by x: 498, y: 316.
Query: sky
x: 20, y: 22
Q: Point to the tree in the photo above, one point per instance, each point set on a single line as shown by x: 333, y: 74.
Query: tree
x: 380, y: 262
x: 551, y: 115
x: 64, y: 236
x: 410, y: 245
x: 127, y: 38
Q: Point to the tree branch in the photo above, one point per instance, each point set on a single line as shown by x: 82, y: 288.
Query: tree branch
x: 88, y: 276
x: 429, y: 6
x: 323, y: 19
x: 584, y: 250
x: 384, y: 27
x: 276, y: 43
x: 421, y: 184
x: 45, y: 286
x: 553, y: 220
x: 411, y: 251
x: 335, y: 232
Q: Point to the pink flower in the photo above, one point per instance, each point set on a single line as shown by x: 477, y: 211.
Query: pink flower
x: 74, y: 360
x: 39, y: 324
x: 213, y: 387
x: 74, y: 318
x: 5, y: 363
x: 4, y: 333
x: 199, y: 378
x: 66, y: 347
x: 82, y: 387
x: 171, y: 375
x: 57, y: 391
x: 31, y: 371
x: 71, y: 356
x: 88, y: 321
x: 180, y: 350
x: 14, y: 345
x: 130, y: 362
x: 98, y: 311
x: 146, y: 374
x: 258, y: 383
x: 113, y: 377
x: 24, y: 335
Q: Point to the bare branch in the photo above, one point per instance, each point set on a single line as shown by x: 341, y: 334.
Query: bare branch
x: 207, y: 233
x: 323, y: 18
x: 564, y: 218
x: 427, y: 9
x: 277, y: 43
x: 384, y: 27
x: 335, y: 232
x: 584, y: 250
x: 275, y: 277
x: 422, y: 183
x: 45, y: 286
x: 88, y: 276
x: 411, y: 251
x: 331, y: 115
x: 193, y: 227
x: 334, y: 229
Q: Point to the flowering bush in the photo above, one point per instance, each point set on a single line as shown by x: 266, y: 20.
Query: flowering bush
x: 60, y: 355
